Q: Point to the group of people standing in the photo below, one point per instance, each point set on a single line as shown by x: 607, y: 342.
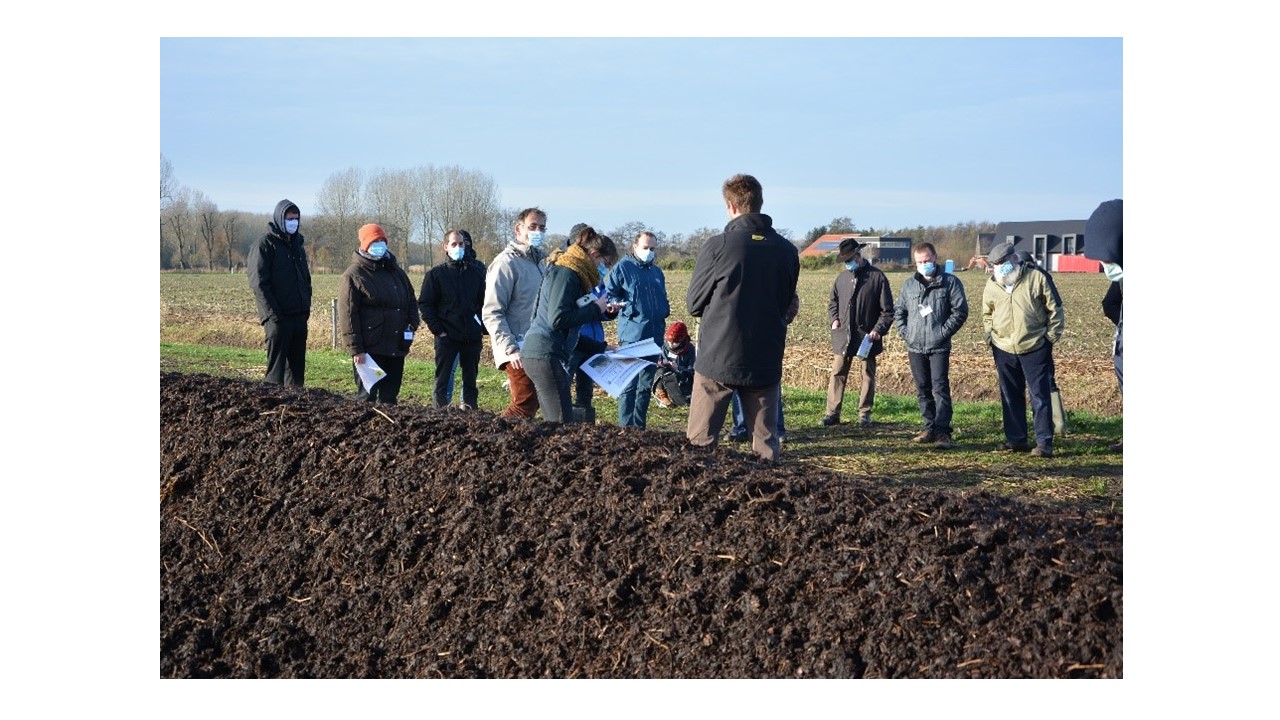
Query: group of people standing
x: 544, y: 313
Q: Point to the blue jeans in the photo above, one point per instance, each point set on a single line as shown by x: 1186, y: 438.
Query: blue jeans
x: 448, y: 389
x: 740, y: 422
x: 1018, y: 374
x: 933, y: 389
x: 633, y: 403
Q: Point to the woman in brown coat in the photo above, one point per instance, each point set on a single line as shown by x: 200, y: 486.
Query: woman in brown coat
x: 377, y: 316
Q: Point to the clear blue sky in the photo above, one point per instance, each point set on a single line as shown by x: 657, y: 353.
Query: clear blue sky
x: 889, y: 132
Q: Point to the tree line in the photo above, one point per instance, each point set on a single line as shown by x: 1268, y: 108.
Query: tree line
x: 416, y: 206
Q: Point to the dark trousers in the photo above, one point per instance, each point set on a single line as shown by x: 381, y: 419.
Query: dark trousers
x: 1019, y: 374
x: 710, y: 403
x: 387, y: 389
x: 286, y: 349
x: 466, y: 354
x: 551, y: 383
x: 583, y: 387
x: 932, y: 374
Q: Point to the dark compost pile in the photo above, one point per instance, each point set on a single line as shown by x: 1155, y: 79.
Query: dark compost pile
x: 303, y: 534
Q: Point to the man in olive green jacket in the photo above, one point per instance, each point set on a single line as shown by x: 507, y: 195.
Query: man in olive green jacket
x: 1022, y: 318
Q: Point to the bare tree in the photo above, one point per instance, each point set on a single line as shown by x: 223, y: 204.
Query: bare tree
x: 230, y: 237
x: 390, y: 198
x: 698, y: 237
x: 338, y: 204
x: 451, y: 198
x: 168, y: 183
x: 627, y: 232
x: 176, y: 217
x: 207, y: 223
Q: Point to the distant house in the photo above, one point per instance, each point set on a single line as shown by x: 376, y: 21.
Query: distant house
x: 1056, y: 245
x: 882, y: 250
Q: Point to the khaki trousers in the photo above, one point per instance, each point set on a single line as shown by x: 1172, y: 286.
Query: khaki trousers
x: 710, y: 403
x: 840, y: 365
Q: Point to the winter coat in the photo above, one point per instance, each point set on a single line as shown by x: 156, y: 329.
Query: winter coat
x: 862, y: 302
x: 643, y: 288
x: 1113, y: 302
x: 947, y: 309
x: 1023, y: 319
x: 450, y: 300
x: 557, y: 319
x: 743, y: 283
x: 375, y: 307
x: 277, y: 270
x: 510, y: 292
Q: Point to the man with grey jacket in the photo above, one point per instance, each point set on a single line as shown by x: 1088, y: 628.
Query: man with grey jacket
x: 510, y: 292
x: 931, y: 308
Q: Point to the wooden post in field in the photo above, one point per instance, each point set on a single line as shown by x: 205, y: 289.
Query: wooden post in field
x: 333, y: 322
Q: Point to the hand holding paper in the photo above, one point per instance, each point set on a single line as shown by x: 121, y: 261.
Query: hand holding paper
x: 368, y: 370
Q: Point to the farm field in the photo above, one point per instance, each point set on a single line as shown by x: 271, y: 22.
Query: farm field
x: 217, y: 310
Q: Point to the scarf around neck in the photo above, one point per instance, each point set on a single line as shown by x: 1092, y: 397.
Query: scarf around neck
x: 577, y: 260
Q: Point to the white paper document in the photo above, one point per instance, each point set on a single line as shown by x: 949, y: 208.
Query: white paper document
x: 614, y: 371
x: 370, y: 373
x: 637, y: 349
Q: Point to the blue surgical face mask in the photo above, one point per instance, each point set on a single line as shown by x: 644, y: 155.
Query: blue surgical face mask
x: 644, y: 255
x: 457, y: 253
x: 852, y: 264
x: 377, y: 249
x: 536, y: 237
x: 1004, y: 269
x: 604, y: 269
x: 1113, y: 271
x: 926, y: 268
x: 291, y: 226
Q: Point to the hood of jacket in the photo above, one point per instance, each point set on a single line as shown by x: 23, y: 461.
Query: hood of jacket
x: 1104, y: 233
x: 277, y: 219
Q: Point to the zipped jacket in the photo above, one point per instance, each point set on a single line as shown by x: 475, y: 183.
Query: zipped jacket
x: 1021, y: 319
x: 510, y: 292
x: 643, y: 287
x: 862, y: 302
x: 450, y: 300
x: 277, y: 270
x: 375, y: 307
x: 930, y: 311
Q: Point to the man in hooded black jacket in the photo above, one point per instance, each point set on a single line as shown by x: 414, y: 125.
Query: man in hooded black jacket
x: 1104, y: 242
x: 281, y: 285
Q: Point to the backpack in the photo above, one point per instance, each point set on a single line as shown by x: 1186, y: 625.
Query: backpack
x: 672, y: 387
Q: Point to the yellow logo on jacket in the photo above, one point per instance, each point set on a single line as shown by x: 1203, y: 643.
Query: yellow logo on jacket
x: 757, y: 237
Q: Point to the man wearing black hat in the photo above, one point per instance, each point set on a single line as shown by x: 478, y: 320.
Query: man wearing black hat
x: 861, y: 307
x: 1022, y: 318
x: 1104, y: 242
